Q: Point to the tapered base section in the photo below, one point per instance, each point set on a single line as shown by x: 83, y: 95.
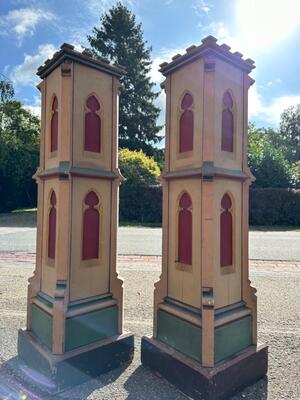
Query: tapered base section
x: 76, y: 366
x: 200, y: 383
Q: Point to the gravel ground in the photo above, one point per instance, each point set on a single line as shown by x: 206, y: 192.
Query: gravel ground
x: 278, y: 326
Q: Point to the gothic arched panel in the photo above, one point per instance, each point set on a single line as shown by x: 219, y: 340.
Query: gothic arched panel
x: 92, y: 126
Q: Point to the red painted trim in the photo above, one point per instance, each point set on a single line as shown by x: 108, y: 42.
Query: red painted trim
x: 92, y: 126
x: 186, y: 124
x: 185, y: 222
x: 91, y: 225
x: 52, y: 227
x: 54, y: 126
x: 226, y: 232
x: 227, y: 123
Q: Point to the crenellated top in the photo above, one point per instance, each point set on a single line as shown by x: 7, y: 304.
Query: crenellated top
x: 67, y: 53
x: 208, y: 48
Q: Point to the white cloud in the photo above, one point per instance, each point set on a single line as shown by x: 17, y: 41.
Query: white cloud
x: 165, y: 55
x: 22, y: 22
x: 263, y: 24
x: 222, y: 33
x: 25, y: 73
x: 201, y: 6
x: 271, y: 112
x: 34, y: 107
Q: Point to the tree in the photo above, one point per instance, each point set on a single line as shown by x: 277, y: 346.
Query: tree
x: 140, y: 193
x: 6, y: 90
x: 19, y: 155
x: 267, y: 162
x: 290, y: 133
x: 138, y: 169
x: 120, y: 39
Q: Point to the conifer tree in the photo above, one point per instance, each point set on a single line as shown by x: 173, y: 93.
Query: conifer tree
x: 120, y: 39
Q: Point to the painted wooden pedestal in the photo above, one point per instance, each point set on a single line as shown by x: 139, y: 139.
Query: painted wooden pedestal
x: 205, y: 312
x: 75, y: 298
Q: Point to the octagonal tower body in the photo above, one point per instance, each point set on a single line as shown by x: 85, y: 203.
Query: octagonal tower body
x: 204, y: 306
x: 75, y: 298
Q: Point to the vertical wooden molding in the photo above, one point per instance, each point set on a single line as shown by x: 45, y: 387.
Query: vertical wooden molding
x: 248, y: 292
x: 207, y: 218
x: 116, y: 282
x: 65, y: 126
x: 34, y: 282
x: 161, y: 286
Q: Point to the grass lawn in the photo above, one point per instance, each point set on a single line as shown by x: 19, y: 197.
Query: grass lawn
x: 27, y: 218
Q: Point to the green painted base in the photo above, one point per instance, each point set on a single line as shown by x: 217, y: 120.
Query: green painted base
x: 80, y: 330
x: 199, y: 383
x: 76, y: 366
x: 185, y: 337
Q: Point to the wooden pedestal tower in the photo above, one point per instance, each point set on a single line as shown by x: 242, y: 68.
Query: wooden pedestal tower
x: 204, y: 337
x: 75, y: 299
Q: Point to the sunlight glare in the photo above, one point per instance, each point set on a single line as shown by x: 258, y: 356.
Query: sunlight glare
x: 264, y: 23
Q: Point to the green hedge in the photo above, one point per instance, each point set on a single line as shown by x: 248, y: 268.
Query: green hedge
x: 140, y: 204
x: 274, y: 207
x: 267, y: 206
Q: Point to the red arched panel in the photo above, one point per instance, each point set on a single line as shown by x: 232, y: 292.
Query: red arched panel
x: 92, y: 128
x: 185, y: 236
x: 226, y: 233
x: 186, y: 131
x: 54, y: 126
x: 52, y: 227
x: 187, y: 101
x: 227, y: 123
x: 91, y: 224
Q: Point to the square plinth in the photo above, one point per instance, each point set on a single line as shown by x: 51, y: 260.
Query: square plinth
x: 217, y: 383
x: 76, y: 366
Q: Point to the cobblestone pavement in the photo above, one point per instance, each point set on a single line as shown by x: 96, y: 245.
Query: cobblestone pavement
x: 278, y: 326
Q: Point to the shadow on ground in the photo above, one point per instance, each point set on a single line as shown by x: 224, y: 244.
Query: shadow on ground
x: 18, y: 220
x: 17, y: 382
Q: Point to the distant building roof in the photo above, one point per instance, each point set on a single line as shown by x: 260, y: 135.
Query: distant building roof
x: 208, y: 48
x: 67, y: 52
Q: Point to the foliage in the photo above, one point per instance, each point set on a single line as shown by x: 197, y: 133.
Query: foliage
x: 19, y: 155
x: 289, y: 133
x: 267, y: 162
x: 296, y: 175
x: 6, y: 90
x: 120, y: 39
x: 140, y: 194
x: 140, y: 204
x: 138, y: 169
x: 274, y: 207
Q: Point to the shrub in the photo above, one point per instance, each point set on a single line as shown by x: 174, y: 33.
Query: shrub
x: 274, y: 207
x: 137, y: 168
x: 140, y: 193
x: 141, y: 204
x: 267, y: 162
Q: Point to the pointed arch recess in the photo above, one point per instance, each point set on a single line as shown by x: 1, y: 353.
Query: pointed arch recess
x: 186, y: 124
x: 91, y: 227
x: 227, y: 122
x: 226, y: 231
x: 54, y: 125
x: 92, y: 125
x: 185, y: 235
x: 52, y: 226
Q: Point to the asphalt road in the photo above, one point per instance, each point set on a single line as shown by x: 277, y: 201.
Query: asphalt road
x: 278, y: 326
x: 278, y: 245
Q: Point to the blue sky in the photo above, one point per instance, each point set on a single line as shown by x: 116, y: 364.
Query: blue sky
x: 267, y: 31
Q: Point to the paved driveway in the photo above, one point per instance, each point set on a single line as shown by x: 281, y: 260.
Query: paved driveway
x: 283, y: 245
x: 278, y: 326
